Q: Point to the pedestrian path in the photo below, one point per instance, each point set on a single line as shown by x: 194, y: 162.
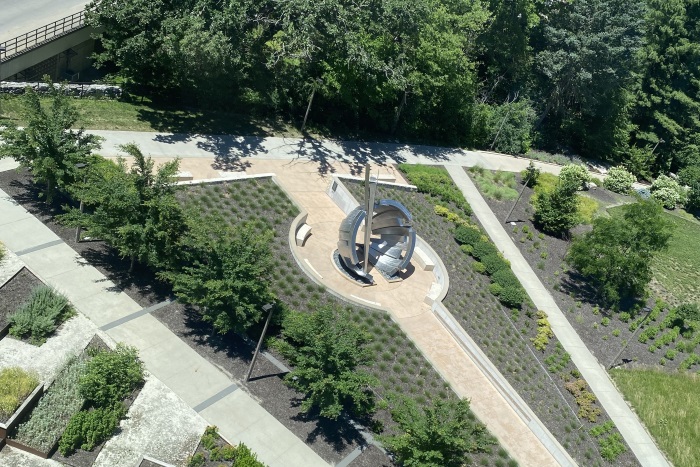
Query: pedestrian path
x: 627, y: 423
x: 196, y: 381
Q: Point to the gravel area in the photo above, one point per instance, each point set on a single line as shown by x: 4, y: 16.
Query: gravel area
x: 12, y: 457
x: 159, y: 424
x: 69, y: 339
x: 9, y: 266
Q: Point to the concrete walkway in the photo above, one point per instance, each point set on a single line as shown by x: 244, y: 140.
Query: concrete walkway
x: 626, y: 421
x: 197, y: 382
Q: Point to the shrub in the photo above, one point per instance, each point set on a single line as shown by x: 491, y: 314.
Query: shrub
x: 688, y: 312
x: 575, y: 174
x: 505, y: 278
x: 512, y: 296
x: 530, y: 175
x: 88, y: 428
x: 556, y: 212
x: 246, y: 458
x: 494, y: 263
x: 111, y: 375
x: 479, y: 267
x: 449, y: 215
x: 619, y: 180
x: 544, y: 332
x: 584, y: 399
x: 38, y: 318
x: 468, y: 249
x: 495, y: 289
x: 668, y: 197
x: 197, y: 460
x: 224, y: 453
x: 15, y: 385
x: 484, y: 248
x: 666, y: 182
x: 611, y: 447
x: 468, y: 234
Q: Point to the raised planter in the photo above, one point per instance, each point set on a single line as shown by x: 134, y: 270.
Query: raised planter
x: 23, y: 409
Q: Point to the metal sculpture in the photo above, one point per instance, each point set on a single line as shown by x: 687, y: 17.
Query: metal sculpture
x: 389, y: 237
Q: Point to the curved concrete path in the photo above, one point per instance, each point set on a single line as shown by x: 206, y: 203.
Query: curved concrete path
x: 627, y: 423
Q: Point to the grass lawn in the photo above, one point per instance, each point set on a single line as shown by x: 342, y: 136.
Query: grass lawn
x: 677, y: 270
x: 668, y: 406
x: 495, y: 184
x: 103, y: 114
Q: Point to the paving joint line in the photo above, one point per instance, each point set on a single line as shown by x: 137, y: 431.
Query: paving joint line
x: 215, y: 398
x: 39, y: 247
x: 350, y: 457
x: 134, y: 315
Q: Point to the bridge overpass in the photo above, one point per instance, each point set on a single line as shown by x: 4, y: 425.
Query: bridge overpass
x: 43, y: 37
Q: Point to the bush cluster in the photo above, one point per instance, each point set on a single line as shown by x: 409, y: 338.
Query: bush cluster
x: 619, y: 180
x: 40, y: 316
x: 584, y: 399
x: 109, y: 377
x: 241, y: 455
x: 668, y: 192
x: 450, y: 216
x: 544, y: 332
x: 575, y: 174
x: 504, y: 284
x: 15, y: 385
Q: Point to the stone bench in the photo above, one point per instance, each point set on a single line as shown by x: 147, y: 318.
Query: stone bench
x: 386, y: 178
x: 423, y: 260
x: 302, y: 234
x: 433, y: 294
x: 183, y: 176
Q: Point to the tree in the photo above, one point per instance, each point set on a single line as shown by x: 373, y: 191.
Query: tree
x: 617, y: 254
x: 438, y: 434
x: 327, y: 350
x: 134, y: 210
x: 668, y: 97
x: 48, y: 146
x: 556, y: 212
x: 224, y: 271
x: 585, y: 63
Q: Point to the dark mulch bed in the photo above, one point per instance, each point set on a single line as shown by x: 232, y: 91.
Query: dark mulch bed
x: 570, y: 291
x: 504, y: 335
x: 230, y: 352
x: 141, y: 284
x: 14, y: 293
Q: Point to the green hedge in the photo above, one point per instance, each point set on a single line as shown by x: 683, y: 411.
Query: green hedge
x: 468, y: 235
x: 88, y: 428
x: 484, y: 248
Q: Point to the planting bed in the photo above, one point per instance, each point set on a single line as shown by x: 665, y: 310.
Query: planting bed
x: 14, y: 293
x: 504, y: 334
x: 601, y: 329
x: 399, y: 366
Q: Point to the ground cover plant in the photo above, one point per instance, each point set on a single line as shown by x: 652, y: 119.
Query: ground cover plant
x: 667, y: 404
x: 15, y: 385
x: 39, y: 317
x: 504, y: 333
x: 62, y: 400
x: 14, y: 293
x: 213, y: 451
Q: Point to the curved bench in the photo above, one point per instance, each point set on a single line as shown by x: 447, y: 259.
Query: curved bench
x: 302, y: 234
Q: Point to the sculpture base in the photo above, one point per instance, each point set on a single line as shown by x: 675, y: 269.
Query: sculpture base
x: 348, y: 273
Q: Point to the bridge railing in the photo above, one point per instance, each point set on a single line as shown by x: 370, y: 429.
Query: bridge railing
x: 33, y: 38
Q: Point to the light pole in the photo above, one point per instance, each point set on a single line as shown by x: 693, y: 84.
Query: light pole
x: 2, y: 52
x: 80, y: 166
x: 268, y: 307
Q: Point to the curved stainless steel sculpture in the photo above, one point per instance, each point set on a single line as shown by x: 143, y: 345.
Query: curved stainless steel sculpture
x: 393, y: 241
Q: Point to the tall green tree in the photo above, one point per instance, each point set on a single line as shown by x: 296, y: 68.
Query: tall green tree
x: 224, y: 271
x: 49, y: 146
x: 441, y: 433
x: 668, y: 98
x: 585, y: 65
x: 327, y: 351
x: 617, y: 254
x: 134, y: 210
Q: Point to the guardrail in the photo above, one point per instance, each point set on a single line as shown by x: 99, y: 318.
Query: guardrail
x: 33, y: 38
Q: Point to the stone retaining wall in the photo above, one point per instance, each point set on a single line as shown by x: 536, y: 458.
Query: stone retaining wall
x: 104, y: 91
